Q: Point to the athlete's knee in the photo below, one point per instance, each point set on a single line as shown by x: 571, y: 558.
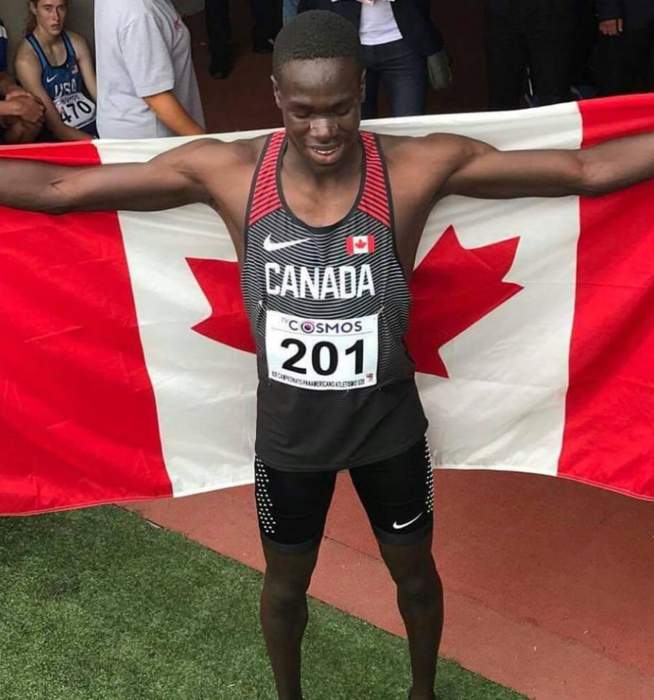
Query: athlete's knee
x: 284, y: 595
x: 421, y: 588
x: 413, y: 570
x: 288, y: 576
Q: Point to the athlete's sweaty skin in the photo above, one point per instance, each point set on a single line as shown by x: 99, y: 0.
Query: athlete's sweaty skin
x: 321, y: 172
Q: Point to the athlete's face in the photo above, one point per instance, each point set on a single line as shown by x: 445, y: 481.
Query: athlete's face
x: 50, y: 15
x: 320, y: 100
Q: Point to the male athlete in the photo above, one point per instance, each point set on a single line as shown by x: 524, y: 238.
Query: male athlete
x: 326, y: 221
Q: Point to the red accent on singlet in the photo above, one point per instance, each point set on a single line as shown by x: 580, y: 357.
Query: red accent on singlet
x: 374, y: 200
x: 265, y: 198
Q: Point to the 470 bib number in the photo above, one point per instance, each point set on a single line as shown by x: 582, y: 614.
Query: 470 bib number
x: 76, y: 109
x: 320, y: 354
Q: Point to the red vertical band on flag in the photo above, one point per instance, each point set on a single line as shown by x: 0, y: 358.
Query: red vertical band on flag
x: 610, y: 401
x: 78, y: 421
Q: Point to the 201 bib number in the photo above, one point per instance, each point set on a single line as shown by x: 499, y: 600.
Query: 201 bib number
x: 322, y: 354
x: 321, y: 351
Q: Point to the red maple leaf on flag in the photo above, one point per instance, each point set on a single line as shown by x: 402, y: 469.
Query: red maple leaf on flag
x: 452, y: 289
x: 221, y: 283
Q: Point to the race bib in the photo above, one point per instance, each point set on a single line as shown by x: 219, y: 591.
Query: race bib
x: 320, y: 354
x: 75, y: 110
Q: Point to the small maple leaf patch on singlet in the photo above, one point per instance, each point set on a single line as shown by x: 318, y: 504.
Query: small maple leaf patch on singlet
x: 357, y: 245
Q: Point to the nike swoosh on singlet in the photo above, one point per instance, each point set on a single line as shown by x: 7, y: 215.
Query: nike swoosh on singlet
x: 271, y: 247
x: 403, y: 525
x: 50, y: 78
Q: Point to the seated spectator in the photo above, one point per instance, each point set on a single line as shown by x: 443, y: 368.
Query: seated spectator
x: 626, y: 46
x: 56, y: 66
x: 146, y: 81
x: 530, y: 38
x: 396, y: 38
x: 21, y: 114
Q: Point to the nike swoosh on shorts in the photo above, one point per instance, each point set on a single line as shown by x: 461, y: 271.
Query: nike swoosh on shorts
x: 396, y: 526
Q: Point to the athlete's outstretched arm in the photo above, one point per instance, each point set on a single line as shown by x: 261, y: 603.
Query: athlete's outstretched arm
x: 169, y: 180
x: 479, y: 170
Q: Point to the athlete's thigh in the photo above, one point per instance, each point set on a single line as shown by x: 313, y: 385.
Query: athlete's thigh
x: 398, y: 495
x: 292, y: 506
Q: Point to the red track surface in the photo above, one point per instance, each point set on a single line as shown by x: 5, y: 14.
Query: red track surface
x: 549, y: 584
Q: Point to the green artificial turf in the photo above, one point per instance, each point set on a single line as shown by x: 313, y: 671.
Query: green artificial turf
x: 98, y: 604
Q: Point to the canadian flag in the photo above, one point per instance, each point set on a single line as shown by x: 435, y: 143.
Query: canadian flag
x: 126, y: 361
x: 356, y: 245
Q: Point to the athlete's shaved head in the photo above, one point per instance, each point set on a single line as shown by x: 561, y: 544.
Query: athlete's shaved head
x: 316, y: 34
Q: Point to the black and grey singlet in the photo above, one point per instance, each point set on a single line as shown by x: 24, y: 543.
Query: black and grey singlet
x: 329, y: 310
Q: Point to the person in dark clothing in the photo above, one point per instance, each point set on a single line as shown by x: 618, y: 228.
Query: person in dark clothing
x: 626, y: 46
x: 396, y: 39
x: 529, y: 48
x: 267, y: 22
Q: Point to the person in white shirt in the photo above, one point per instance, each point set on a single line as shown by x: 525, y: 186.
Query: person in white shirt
x: 147, y: 86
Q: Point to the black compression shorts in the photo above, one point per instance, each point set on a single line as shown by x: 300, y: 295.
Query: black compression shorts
x: 397, y: 494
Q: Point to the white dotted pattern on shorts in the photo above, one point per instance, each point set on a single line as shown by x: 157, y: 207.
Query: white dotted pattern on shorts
x: 430, y: 478
x: 264, y: 504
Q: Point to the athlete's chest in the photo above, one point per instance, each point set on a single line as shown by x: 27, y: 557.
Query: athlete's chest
x: 316, y: 204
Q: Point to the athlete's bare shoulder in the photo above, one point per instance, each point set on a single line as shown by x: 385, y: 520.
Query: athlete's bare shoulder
x: 213, y: 162
x: 435, y: 157
x: 440, y: 150
x: 222, y: 172
x: 209, y: 150
x: 217, y: 158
